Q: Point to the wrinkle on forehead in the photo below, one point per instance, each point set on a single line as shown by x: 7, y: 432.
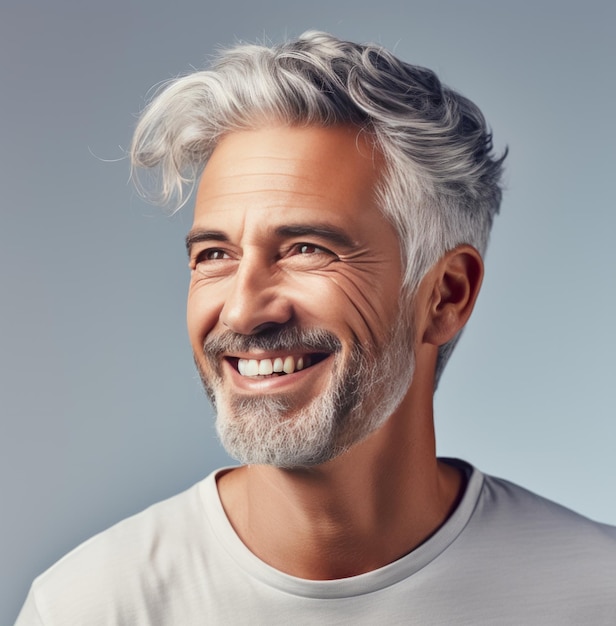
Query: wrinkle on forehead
x: 292, y: 159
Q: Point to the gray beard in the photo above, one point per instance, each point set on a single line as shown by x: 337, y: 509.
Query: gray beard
x: 365, y: 389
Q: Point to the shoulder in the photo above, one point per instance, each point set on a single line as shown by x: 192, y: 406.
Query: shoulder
x: 505, y: 519
x: 521, y: 511
x: 525, y: 558
x: 522, y: 545
x: 125, y: 564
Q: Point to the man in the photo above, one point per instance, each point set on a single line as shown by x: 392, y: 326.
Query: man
x: 344, y: 205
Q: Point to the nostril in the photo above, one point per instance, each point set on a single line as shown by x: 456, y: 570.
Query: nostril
x: 267, y: 326
x: 256, y: 314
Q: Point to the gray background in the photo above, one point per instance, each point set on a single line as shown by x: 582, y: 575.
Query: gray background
x: 102, y: 413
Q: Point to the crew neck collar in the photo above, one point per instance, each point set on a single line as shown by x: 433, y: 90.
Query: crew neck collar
x: 362, y: 584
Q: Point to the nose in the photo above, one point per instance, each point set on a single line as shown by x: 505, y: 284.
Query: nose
x: 256, y: 299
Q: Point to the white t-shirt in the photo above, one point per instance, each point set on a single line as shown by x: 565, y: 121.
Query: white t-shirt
x: 505, y: 556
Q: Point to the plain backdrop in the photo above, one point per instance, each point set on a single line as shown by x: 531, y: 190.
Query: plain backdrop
x: 102, y: 412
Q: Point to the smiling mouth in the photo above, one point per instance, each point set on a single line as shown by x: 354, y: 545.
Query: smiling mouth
x: 278, y: 366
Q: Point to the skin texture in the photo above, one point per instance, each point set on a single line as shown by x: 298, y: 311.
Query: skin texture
x: 308, y: 252
x: 339, y: 269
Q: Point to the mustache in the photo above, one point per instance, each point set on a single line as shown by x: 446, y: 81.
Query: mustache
x: 291, y: 339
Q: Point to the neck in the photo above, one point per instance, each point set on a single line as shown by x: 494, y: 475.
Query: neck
x: 361, y: 511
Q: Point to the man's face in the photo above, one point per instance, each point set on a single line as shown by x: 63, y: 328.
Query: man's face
x: 293, y: 307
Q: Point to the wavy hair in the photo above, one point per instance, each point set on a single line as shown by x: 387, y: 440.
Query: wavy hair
x: 441, y: 184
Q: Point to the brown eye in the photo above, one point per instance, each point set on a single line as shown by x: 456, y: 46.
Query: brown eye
x: 215, y: 255
x: 212, y: 254
x: 308, y: 248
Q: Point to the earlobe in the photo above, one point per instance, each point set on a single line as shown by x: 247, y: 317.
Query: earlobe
x: 455, y: 281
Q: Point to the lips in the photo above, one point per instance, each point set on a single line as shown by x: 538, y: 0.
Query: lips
x: 270, y: 355
x: 275, y: 366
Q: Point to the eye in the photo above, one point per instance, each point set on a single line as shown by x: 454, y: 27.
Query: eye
x: 212, y: 262
x: 308, y: 256
x: 212, y: 254
x: 309, y: 248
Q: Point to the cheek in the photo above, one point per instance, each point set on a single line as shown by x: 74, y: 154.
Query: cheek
x: 202, y: 312
x: 361, y: 301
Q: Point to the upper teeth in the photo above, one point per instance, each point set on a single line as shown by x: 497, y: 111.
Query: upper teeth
x: 265, y: 367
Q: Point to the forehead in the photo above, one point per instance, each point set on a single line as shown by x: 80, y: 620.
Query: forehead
x: 273, y: 172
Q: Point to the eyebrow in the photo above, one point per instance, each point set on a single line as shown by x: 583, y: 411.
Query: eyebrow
x: 323, y: 231
x: 197, y: 235
x: 327, y: 232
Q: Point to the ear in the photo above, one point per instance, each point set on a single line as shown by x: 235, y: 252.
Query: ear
x: 455, y: 283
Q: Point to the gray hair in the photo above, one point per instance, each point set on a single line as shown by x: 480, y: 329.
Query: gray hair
x: 440, y: 187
